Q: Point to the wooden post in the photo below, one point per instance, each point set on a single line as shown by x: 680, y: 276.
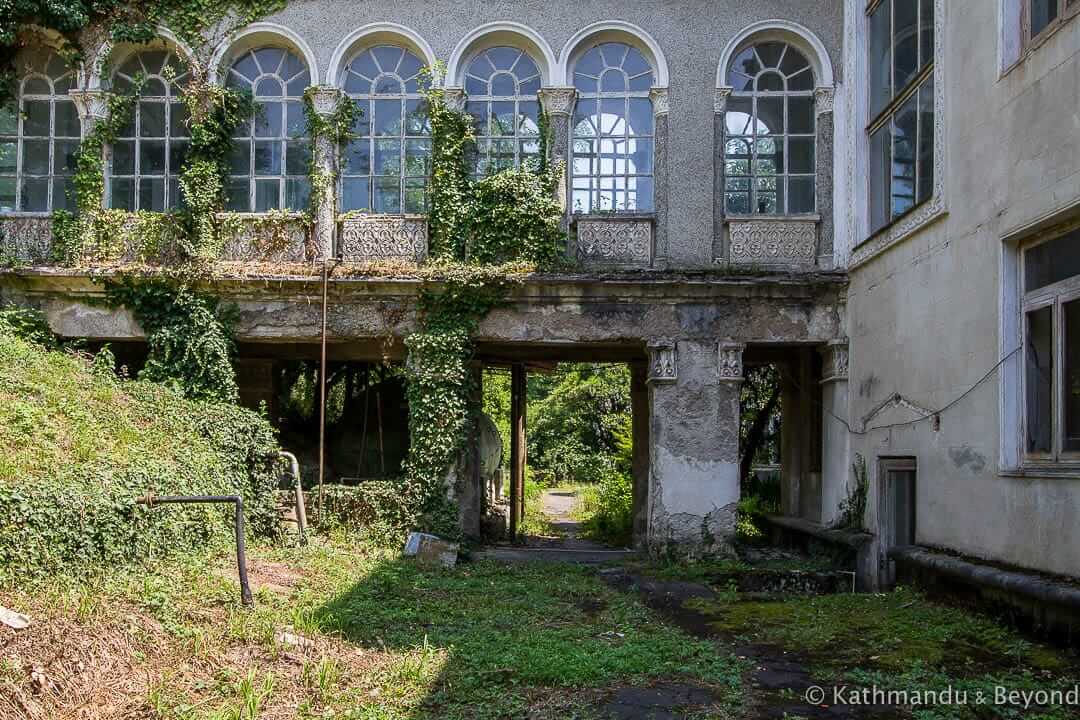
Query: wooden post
x: 640, y: 420
x: 517, y: 449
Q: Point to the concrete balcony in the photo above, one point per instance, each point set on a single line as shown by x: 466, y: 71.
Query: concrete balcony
x: 773, y: 242
x: 614, y: 241
x: 373, y: 238
x: 269, y: 238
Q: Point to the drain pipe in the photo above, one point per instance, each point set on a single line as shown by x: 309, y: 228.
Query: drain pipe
x: 301, y: 513
x: 238, y: 502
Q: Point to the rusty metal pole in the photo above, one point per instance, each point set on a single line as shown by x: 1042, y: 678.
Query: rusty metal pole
x: 322, y: 390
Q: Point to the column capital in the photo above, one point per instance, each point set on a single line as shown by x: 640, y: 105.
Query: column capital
x: 823, y: 100
x: 558, y: 100
x: 663, y: 362
x: 834, y: 355
x: 720, y: 99
x: 455, y: 98
x: 659, y: 97
x: 324, y: 99
x: 90, y: 104
x: 729, y: 365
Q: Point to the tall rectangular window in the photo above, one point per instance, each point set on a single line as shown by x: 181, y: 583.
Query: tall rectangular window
x: 1051, y: 348
x: 901, y: 131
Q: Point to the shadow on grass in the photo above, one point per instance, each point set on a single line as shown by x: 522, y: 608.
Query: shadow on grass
x: 487, y: 640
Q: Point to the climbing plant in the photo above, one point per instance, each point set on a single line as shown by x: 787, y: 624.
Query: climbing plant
x: 328, y: 134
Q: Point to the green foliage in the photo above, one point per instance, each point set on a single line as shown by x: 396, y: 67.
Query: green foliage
x: 89, y: 177
x: 78, y: 446
x: 27, y: 324
x: 607, y: 509
x: 334, y: 131
x: 189, y: 339
x: 516, y: 216
x: 451, y: 213
x: 853, y: 507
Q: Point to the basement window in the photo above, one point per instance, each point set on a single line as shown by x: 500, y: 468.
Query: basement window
x: 1051, y: 348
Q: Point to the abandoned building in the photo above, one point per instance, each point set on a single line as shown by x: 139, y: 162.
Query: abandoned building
x: 874, y: 195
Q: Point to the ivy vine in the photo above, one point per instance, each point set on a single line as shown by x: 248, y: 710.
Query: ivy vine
x: 328, y: 134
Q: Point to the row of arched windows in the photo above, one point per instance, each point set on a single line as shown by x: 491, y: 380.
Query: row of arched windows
x: 769, y: 143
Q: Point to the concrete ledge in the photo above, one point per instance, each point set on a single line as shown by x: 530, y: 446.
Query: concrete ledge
x: 1047, y: 605
x: 856, y: 548
x: 853, y: 539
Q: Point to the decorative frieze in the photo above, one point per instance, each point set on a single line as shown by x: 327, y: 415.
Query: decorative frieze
x: 778, y: 241
x: 558, y: 100
x: 720, y: 99
x: 729, y: 362
x: 90, y: 104
x: 823, y: 100
x: 659, y: 97
x: 620, y: 242
x: 264, y: 238
x: 25, y: 240
x: 366, y: 238
x: 663, y: 362
x: 834, y: 365
x: 324, y: 99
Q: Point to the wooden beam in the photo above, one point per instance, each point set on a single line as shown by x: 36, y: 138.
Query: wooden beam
x: 517, y: 449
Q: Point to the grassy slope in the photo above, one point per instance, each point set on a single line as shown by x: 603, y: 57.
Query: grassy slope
x: 77, y: 447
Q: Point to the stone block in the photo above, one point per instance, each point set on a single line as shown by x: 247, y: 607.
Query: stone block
x: 431, y: 550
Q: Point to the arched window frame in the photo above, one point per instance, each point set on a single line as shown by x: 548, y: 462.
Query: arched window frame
x: 271, y: 157
x: 39, y: 123
x: 148, y: 153
x: 760, y: 168
x: 603, y: 180
x: 366, y: 181
x: 498, y: 147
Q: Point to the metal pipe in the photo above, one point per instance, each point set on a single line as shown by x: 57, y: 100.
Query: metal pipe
x: 238, y: 502
x: 301, y: 511
x: 322, y: 389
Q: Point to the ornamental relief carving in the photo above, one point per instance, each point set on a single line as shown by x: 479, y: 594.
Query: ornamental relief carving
x: 26, y: 240
x: 615, y: 242
x: 259, y: 239
x: 557, y: 100
x: 729, y: 361
x: 663, y: 362
x: 834, y: 361
x: 765, y: 242
x: 324, y: 99
x: 372, y: 237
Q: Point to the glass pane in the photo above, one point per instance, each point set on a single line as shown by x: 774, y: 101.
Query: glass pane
x: 238, y: 195
x: 1071, y: 311
x: 178, y: 151
x: 739, y: 115
x: 1052, y: 261
x: 36, y: 157
x: 267, y: 195
x: 354, y: 194
x: 880, y: 57
x: 7, y: 193
x: 800, y: 195
x: 152, y: 194
x: 770, y: 116
x: 357, y: 157
x: 9, y: 121
x: 415, y: 196
x: 503, y: 118
x: 418, y: 157
x: 640, y: 194
x: 295, y: 121
x: 387, y: 117
x: 151, y: 119
x: 63, y: 194
x: 903, y: 158
x: 67, y: 119
x: 297, y: 157
x: 387, y: 195
x: 297, y: 193
x: 641, y: 116
x: 801, y: 116
x: 528, y: 114
x: 268, y: 157
x: 800, y: 155
x: 584, y: 118
x: 880, y: 151
x: 416, y: 118
x: 770, y: 82
x: 122, y: 194
x: 769, y: 196
x: 8, y: 158
x: 269, y: 120
x: 478, y: 111
x: 612, y: 116
x: 178, y: 120
x: 1039, y: 369
x: 738, y: 203
x: 1043, y: 12
x: 926, y: 140
x: 905, y: 41
x: 64, y: 152
x: 35, y: 195
x: 240, y: 158
x: 36, y: 118
x: 926, y: 33
x: 152, y: 157
x: 387, y: 157
x: 362, y: 124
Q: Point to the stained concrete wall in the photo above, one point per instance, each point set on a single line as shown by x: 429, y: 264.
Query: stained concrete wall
x: 691, y: 36
x: 925, y: 318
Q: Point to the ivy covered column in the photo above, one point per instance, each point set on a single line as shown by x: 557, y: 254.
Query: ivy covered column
x: 93, y: 108
x: 659, y: 97
x: 558, y: 104
x: 694, y: 391
x: 324, y: 103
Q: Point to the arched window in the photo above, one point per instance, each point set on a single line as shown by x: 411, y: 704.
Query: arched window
x: 150, y: 149
x: 769, y: 160
x: 39, y: 135
x: 271, y: 155
x: 613, y: 131
x: 387, y: 164
x: 502, y: 85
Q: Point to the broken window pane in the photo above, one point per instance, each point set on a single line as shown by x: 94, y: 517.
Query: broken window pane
x: 1038, y: 353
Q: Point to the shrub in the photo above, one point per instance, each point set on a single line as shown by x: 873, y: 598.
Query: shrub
x: 78, y: 447
x: 607, y: 509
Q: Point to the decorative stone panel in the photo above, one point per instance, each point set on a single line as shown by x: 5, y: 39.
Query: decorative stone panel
x: 615, y: 242
x: 663, y: 362
x: 788, y: 242
x: 366, y: 238
x: 265, y: 238
x: 558, y: 100
x: 25, y: 240
x: 834, y: 356
x: 729, y: 362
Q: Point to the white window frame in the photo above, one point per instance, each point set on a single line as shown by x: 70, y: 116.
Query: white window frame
x: 484, y: 140
x: 1054, y: 296
x: 1066, y: 9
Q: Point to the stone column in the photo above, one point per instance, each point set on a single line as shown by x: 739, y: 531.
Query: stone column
x: 835, y: 439
x: 659, y: 97
x: 639, y: 418
x: 719, y: 108
x: 470, y: 490
x: 324, y: 101
x: 558, y: 104
x: 455, y: 98
x: 823, y: 103
x: 800, y: 438
x: 92, y: 109
x: 694, y: 445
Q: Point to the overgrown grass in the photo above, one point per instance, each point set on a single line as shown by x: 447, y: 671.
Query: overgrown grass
x: 383, y: 638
